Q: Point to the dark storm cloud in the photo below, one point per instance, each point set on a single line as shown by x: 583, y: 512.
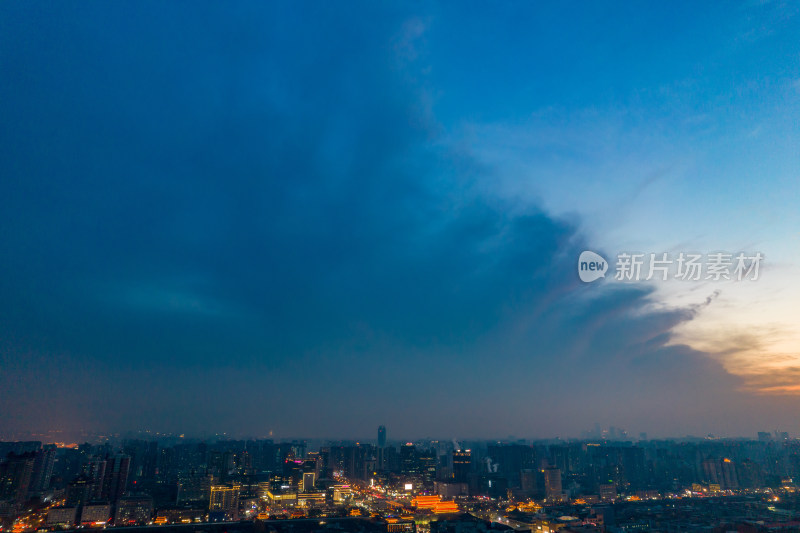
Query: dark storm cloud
x: 242, y: 218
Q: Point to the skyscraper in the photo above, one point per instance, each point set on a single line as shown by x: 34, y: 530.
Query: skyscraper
x: 116, y: 477
x: 552, y: 484
x: 15, y: 476
x: 43, y: 468
x: 462, y: 465
x: 96, y: 471
x: 381, y: 453
x: 408, y: 459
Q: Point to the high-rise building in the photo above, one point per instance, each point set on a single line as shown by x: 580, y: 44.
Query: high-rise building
x: 381, y: 451
x: 510, y: 459
x: 299, y: 449
x: 528, y: 482
x: 722, y: 473
x: 391, y: 459
x: 115, y: 480
x: 224, y: 499
x: 42, y: 469
x: 408, y: 459
x: 15, y: 476
x: 307, y: 482
x: 552, y: 484
x: 95, y: 470
x: 193, y: 486
x: 462, y: 465
x: 79, y: 491
x: 427, y: 466
x: 711, y: 471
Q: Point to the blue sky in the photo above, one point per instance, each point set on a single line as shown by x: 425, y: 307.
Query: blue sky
x: 316, y: 218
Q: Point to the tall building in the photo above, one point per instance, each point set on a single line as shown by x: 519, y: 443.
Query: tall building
x: 510, y: 459
x: 307, y: 482
x: 224, y: 500
x: 462, y: 465
x: 95, y: 470
x: 15, y: 477
x: 193, y: 486
x: 426, y: 460
x: 711, y: 471
x: 80, y: 490
x: 552, y: 484
x: 408, y: 459
x: 381, y: 451
x: 115, y: 480
x: 722, y: 473
x: 528, y: 482
x: 43, y: 468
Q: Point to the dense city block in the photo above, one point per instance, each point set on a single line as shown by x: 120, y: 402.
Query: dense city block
x: 606, y: 482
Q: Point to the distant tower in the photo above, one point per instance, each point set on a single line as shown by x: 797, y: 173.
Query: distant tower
x: 381, y: 447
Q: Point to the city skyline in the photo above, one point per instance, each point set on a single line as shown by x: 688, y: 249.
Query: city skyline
x: 77, y: 436
x: 276, y: 217
x: 414, y: 487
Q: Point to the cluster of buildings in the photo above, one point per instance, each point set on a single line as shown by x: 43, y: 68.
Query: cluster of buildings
x: 537, y: 486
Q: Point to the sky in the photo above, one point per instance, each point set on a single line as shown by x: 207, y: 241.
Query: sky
x: 313, y: 218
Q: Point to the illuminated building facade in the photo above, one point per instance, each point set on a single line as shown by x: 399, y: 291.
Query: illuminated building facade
x: 224, y: 499
x: 307, y: 482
